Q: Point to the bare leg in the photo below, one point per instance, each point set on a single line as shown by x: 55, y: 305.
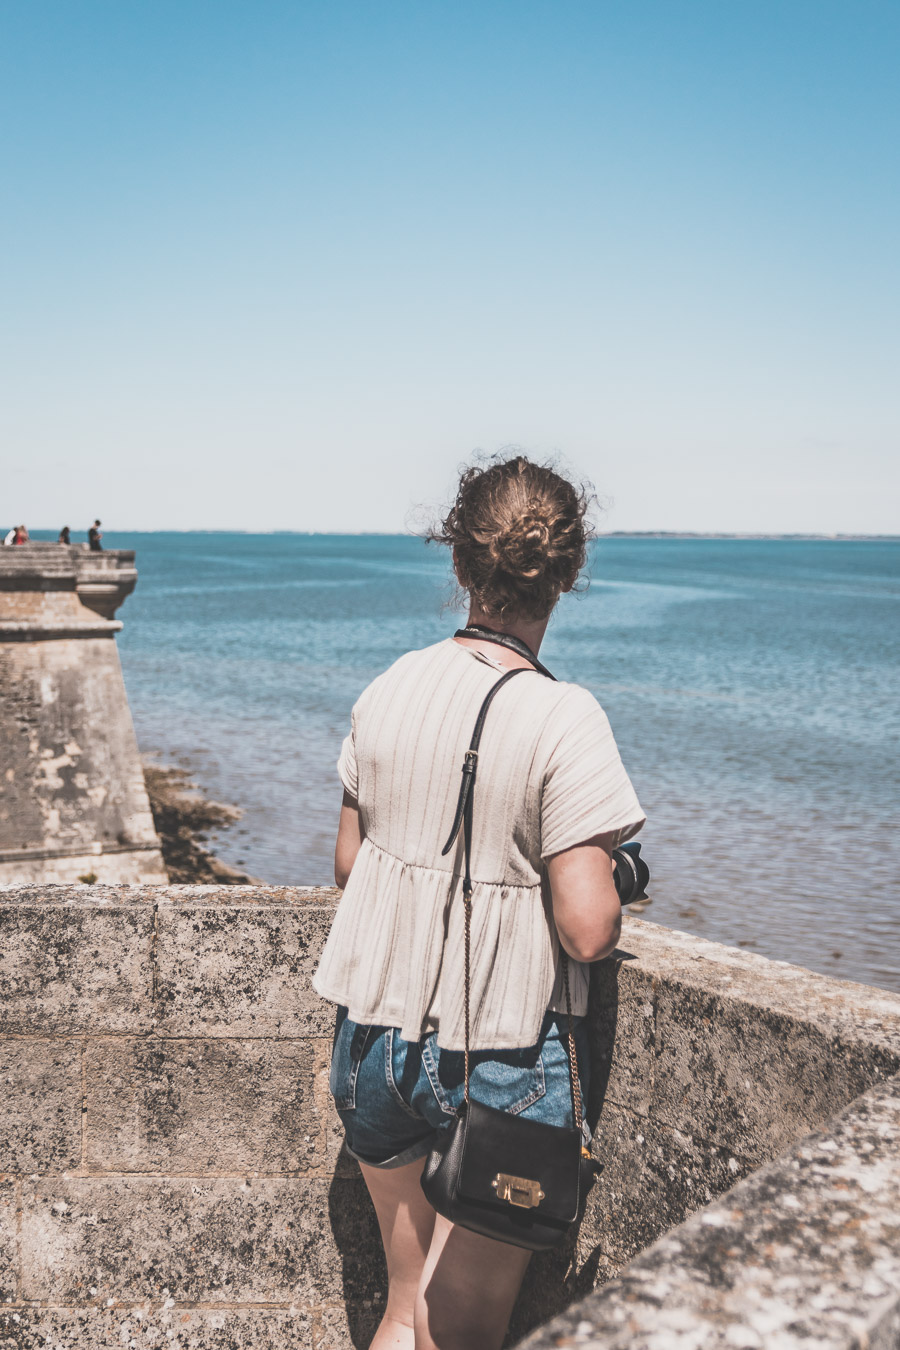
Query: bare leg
x: 406, y: 1221
x: 467, y: 1290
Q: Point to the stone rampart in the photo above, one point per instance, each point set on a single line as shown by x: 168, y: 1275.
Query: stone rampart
x: 72, y: 796
x: 170, y: 1166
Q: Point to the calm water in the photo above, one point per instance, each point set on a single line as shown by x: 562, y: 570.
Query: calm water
x: 751, y: 686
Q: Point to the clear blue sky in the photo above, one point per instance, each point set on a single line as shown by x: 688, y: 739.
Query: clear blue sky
x: 285, y: 265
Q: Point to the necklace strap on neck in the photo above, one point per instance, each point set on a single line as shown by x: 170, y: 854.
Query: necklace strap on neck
x: 476, y: 632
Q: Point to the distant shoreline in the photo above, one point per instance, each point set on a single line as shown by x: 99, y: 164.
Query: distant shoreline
x: 797, y: 537
x: 774, y: 538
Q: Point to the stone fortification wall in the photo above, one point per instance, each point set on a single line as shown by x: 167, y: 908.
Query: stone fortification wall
x: 170, y: 1168
x: 730, y: 1068
x: 806, y: 1252
x: 72, y: 795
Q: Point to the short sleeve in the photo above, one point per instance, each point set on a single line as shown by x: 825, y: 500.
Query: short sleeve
x: 586, y: 790
x: 346, y: 765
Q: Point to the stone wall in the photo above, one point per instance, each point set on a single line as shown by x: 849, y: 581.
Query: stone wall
x: 722, y: 1062
x: 805, y: 1252
x: 170, y: 1169
x: 72, y: 796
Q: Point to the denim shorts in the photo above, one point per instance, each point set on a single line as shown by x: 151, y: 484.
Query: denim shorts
x: 394, y: 1095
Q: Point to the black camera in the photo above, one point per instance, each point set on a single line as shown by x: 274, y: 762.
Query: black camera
x: 630, y: 873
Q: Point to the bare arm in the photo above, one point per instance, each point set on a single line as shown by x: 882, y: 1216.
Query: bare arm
x: 349, y: 837
x: 586, y: 907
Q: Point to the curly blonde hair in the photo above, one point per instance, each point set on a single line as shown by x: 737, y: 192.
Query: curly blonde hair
x: 519, y: 534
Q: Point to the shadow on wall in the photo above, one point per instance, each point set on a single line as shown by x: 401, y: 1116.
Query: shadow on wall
x: 558, y: 1278
x: 363, y: 1272
x: 555, y: 1279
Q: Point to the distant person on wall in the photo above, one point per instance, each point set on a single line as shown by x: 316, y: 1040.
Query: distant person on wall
x: 21, y: 535
x: 94, y: 538
x: 65, y: 536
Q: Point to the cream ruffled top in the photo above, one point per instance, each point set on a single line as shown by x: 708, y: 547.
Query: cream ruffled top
x: 549, y: 777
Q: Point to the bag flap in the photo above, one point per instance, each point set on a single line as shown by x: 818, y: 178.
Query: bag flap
x: 521, y: 1165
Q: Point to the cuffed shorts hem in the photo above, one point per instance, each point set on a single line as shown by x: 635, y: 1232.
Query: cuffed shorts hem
x: 406, y: 1155
x: 394, y: 1096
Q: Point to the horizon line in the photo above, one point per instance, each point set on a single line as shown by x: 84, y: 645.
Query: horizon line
x: 799, y: 535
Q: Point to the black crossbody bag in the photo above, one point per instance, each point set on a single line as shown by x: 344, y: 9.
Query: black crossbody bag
x: 517, y: 1180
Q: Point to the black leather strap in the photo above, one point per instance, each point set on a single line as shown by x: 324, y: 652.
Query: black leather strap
x: 463, y: 814
x: 463, y: 817
x: 476, y: 631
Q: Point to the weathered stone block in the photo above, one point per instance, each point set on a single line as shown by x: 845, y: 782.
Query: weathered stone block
x: 8, y: 1243
x: 215, y: 1241
x: 40, y: 1105
x: 623, y: 1038
x: 856, y: 1013
x: 67, y: 970
x: 747, y: 1078
x: 254, y: 897
x: 653, y: 1178
x: 803, y: 1252
x: 346, y: 1328
x: 202, y: 1106
x: 241, y: 971
x: 155, y: 1327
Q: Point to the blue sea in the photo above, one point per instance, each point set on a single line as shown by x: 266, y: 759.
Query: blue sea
x: 752, y: 687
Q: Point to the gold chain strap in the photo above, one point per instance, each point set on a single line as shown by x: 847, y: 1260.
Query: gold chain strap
x: 577, y: 1104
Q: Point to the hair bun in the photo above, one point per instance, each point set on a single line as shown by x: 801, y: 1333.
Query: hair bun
x: 522, y: 547
x: 518, y: 534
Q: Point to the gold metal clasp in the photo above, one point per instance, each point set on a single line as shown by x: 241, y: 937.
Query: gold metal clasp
x: 518, y: 1191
